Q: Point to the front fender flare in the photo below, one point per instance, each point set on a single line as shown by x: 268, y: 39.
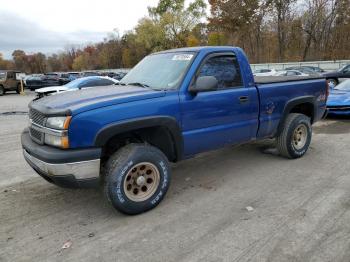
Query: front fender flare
x: 170, y: 123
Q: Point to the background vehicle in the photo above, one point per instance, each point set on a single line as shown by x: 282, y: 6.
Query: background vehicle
x: 32, y: 76
x: 73, y: 75
x: 89, y: 73
x: 265, y: 72
x: 8, y: 82
x: 334, y: 76
x: 119, y: 76
x: 290, y: 73
x: 339, y: 99
x: 306, y: 69
x: 50, y: 79
x: 83, y: 82
x: 62, y: 78
x: 164, y: 110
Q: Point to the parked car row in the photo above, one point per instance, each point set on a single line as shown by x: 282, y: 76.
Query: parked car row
x: 290, y: 71
x: 332, y: 77
x: 339, y: 99
x: 37, y: 81
x: 55, y: 81
x: 84, y: 82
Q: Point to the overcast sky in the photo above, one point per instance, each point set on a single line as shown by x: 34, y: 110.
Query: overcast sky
x: 49, y: 26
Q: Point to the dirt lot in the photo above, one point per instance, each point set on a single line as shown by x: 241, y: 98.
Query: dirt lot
x: 300, y: 208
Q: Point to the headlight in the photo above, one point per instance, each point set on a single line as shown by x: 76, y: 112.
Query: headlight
x: 58, y: 122
x: 57, y: 141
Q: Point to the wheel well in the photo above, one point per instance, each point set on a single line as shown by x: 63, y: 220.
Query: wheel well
x: 157, y: 136
x: 305, y: 109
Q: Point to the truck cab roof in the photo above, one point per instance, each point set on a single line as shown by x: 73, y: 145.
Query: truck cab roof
x: 200, y: 49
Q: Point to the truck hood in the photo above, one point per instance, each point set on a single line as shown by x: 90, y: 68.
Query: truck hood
x: 77, y: 101
x: 339, y: 98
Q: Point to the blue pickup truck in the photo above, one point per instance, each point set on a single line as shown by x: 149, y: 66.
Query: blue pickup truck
x: 171, y: 106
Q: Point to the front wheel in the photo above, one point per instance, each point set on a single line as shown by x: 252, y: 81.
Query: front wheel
x: 295, y: 138
x: 2, y: 90
x: 18, y: 89
x: 137, y: 178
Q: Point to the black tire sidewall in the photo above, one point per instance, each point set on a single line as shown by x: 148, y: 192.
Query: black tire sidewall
x: 295, y: 153
x: 116, y: 178
x: 2, y: 92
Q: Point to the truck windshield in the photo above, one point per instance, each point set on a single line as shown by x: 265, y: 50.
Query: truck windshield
x: 2, y: 75
x: 160, y: 71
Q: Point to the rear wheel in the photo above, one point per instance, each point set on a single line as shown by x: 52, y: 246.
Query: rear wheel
x: 137, y: 178
x: 295, y: 138
x: 2, y: 90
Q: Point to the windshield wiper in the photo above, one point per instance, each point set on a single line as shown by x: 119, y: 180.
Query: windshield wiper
x: 139, y: 84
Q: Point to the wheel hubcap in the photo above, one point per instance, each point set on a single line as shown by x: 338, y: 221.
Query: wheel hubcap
x: 300, y: 137
x: 141, y: 182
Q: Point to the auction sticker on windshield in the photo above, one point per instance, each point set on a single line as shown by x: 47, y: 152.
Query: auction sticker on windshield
x: 182, y: 57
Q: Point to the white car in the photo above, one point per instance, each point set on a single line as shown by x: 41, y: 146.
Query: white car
x: 264, y: 72
x: 79, y: 83
x: 290, y: 73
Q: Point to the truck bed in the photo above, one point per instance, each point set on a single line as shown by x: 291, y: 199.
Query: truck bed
x: 280, y: 79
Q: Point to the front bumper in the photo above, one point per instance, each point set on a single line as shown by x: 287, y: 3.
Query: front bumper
x: 67, y: 168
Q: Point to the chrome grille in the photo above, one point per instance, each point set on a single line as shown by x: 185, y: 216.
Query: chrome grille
x: 36, y: 117
x: 36, y: 135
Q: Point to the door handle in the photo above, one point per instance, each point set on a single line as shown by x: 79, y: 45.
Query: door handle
x: 243, y: 99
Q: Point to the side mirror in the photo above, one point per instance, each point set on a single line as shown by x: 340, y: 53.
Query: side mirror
x: 205, y: 84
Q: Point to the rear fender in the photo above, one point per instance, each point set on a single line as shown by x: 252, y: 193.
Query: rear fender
x: 293, y: 104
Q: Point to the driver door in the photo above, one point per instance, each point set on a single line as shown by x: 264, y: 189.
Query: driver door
x: 228, y: 115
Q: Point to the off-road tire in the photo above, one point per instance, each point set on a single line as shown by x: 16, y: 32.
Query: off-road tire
x: 286, y: 140
x: 2, y: 90
x: 118, y: 169
x: 18, y: 89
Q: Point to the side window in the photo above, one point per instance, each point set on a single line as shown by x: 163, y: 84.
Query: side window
x: 84, y: 83
x: 347, y: 69
x: 226, y: 70
x: 10, y: 75
x: 91, y: 82
x: 106, y: 82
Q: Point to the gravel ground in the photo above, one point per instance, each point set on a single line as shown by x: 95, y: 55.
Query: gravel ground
x: 299, y: 210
